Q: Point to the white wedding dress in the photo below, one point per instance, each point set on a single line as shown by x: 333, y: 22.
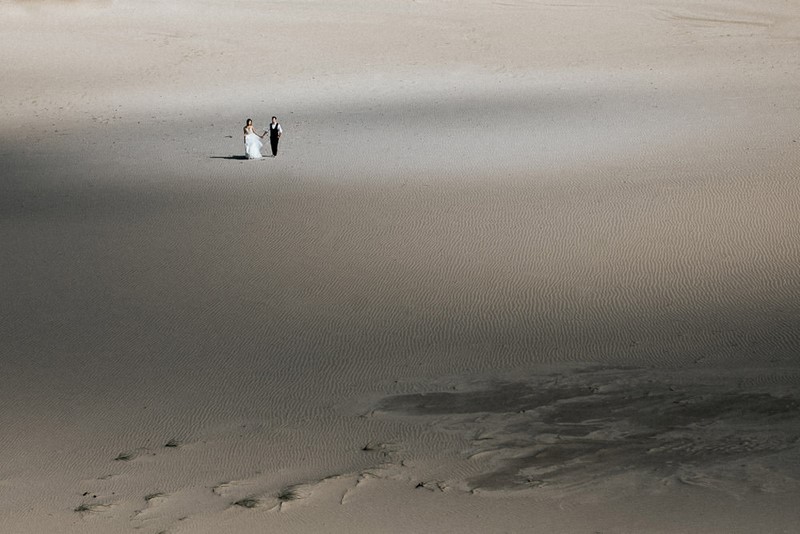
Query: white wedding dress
x: 252, y: 146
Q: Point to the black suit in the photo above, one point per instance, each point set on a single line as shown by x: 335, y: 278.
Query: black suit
x: 274, y: 136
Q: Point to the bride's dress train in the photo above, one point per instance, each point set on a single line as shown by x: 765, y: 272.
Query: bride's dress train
x: 252, y: 146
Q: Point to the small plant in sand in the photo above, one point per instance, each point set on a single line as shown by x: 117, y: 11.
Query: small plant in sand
x: 247, y: 502
x: 87, y: 508
x: 373, y: 446
x: 150, y: 496
x: 124, y: 457
x: 173, y: 443
x: 287, y: 494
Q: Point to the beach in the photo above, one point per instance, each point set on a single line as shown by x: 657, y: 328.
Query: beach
x: 517, y: 267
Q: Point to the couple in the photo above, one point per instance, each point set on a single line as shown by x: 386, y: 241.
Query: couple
x: 252, y: 141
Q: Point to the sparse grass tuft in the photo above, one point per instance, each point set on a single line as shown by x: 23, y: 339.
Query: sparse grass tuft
x: 247, y: 502
x: 150, y: 496
x: 173, y: 443
x: 288, y: 494
x: 377, y: 446
x: 124, y: 457
x: 90, y: 508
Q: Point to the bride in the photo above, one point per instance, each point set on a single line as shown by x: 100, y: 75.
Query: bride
x: 252, y: 141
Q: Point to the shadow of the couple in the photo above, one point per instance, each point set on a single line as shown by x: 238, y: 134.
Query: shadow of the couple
x: 238, y: 157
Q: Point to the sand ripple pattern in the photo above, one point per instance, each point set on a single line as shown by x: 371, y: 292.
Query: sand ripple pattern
x: 238, y: 306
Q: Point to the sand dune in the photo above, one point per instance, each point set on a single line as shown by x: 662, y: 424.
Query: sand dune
x: 518, y: 267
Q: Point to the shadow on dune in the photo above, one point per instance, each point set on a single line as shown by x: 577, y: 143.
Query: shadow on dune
x: 575, y: 430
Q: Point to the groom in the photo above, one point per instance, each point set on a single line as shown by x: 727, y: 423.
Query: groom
x: 275, y: 132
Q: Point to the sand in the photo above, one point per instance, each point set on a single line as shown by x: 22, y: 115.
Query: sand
x: 518, y: 267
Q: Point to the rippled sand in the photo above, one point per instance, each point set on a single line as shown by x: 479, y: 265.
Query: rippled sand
x: 518, y: 267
